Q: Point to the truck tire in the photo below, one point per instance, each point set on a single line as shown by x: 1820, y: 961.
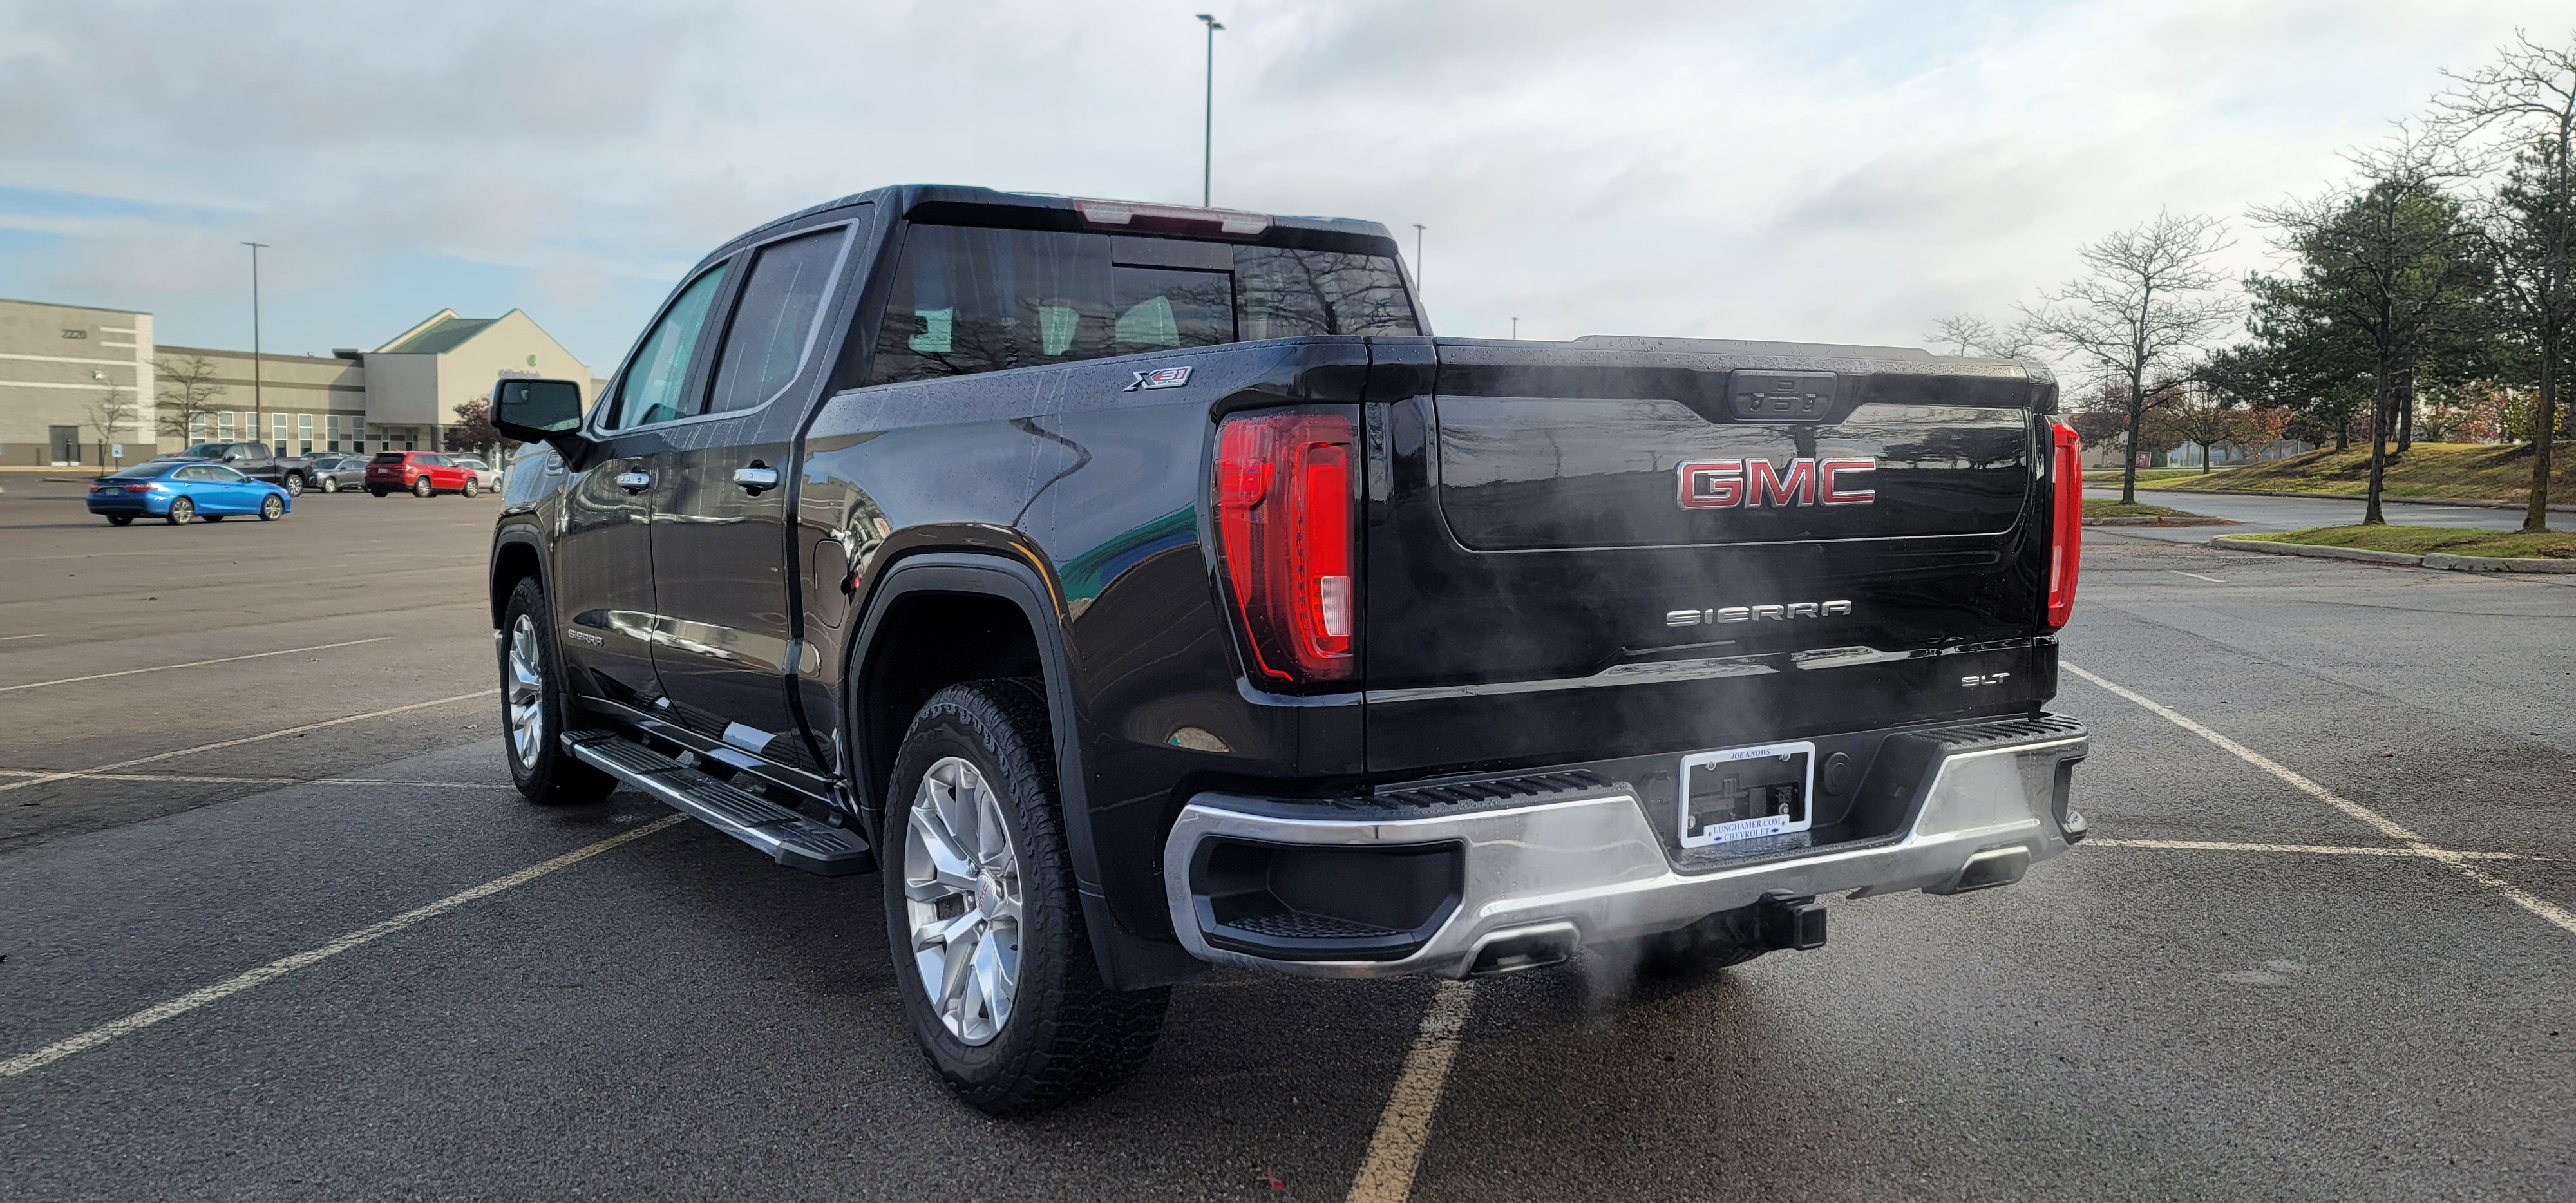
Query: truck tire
x: 536, y: 708
x: 293, y: 484
x: 1013, y: 1014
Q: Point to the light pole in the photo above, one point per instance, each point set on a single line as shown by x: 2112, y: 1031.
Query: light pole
x: 1516, y: 329
x: 1207, y: 131
x: 1418, y: 274
x: 258, y: 416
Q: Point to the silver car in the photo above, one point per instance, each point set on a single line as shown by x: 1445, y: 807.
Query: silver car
x: 486, y: 477
x: 333, y: 472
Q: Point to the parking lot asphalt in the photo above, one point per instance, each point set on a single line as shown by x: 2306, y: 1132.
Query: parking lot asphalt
x: 2257, y: 514
x: 122, y: 644
x: 2243, y: 986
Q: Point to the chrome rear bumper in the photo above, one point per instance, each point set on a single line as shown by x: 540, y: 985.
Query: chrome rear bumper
x: 1585, y: 865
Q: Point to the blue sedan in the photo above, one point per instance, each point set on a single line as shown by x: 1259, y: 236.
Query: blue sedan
x: 184, y: 491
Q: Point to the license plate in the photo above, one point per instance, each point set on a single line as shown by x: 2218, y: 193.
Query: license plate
x: 1746, y: 793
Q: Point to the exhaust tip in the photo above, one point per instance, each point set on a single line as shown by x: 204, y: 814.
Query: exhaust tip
x: 1527, y: 948
x: 1992, y: 867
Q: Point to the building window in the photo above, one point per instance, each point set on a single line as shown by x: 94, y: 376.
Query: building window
x: 303, y: 434
x: 223, y: 426
x: 197, y: 429
x: 358, y: 434
x: 279, y: 431
x: 331, y: 432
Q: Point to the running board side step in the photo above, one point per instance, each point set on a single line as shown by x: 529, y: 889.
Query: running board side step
x: 789, y: 838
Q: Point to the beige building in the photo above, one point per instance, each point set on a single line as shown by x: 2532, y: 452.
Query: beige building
x: 64, y: 368
x: 75, y: 384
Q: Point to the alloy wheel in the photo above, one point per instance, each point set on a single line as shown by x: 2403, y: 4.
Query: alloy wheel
x: 962, y: 901
x: 526, y: 692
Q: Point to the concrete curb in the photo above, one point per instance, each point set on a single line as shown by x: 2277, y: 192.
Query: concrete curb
x: 2317, y: 551
x: 2384, y: 499
x: 2438, y: 559
x: 2444, y: 559
x: 2194, y: 521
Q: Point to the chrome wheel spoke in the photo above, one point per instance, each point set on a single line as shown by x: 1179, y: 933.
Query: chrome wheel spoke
x: 962, y: 901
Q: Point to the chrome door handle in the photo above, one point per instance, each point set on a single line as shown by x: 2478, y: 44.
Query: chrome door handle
x: 756, y: 478
x: 634, y: 482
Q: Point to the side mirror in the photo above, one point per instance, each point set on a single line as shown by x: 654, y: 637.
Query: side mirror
x: 538, y: 411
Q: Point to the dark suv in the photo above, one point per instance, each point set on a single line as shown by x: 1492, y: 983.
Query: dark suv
x: 1143, y: 587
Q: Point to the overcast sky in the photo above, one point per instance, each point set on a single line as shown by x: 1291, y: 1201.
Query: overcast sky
x: 1824, y: 171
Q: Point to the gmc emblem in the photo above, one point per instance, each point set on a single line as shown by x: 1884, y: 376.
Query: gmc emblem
x: 1727, y: 484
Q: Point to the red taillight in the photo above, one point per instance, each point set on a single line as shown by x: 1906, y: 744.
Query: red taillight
x: 138, y: 488
x: 1283, y: 521
x: 2066, y: 538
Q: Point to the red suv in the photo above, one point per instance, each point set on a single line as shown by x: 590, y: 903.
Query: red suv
x: 420, y: 473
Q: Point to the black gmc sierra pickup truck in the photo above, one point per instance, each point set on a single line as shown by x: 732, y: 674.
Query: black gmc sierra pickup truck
x: 256, y: 461
x: 1144, y: 587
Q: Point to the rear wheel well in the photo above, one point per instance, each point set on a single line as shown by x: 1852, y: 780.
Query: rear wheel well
x: 926, y: 642
x: 513, y: 563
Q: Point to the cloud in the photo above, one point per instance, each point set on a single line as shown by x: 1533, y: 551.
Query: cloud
x: 1836, y: 171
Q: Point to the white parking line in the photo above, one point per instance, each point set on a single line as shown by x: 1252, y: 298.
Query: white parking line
x: 319, y: 647
x: 2415, y: 844
x: 1395, y: 1149
x: 285, y: 965
x: 2196, y: 576
x: 234, y: 743
x: 7, y: 638
x: 2310, y: 849
x: 179, y: 779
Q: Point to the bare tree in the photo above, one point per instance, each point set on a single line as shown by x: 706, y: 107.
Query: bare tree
x: 1969, y: 334
x: 2143, y: 310
x: 2526, y: 102
x: 2202, y: 416
x: 2388, y: 259
x: 188, y: 393
x: 111, y: 412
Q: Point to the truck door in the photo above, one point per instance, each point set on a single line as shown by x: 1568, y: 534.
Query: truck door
x: 603, y: 584
x: 722, y: 565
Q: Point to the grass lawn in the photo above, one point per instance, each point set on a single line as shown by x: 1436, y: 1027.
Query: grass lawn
x: 2416, y: 540
x: 2105, y: 507
x: 2448, y: 471
x: 2146, y: 476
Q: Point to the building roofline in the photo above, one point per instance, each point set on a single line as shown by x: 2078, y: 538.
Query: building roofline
x: 69, y: 305
x: 417, y: 327
x: 160, y: 347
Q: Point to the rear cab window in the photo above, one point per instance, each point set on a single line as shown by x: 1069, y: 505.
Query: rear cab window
x: 971, y: 299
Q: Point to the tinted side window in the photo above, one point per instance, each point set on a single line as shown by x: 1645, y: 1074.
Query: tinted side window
x: 650, y: 391
x: 1287, y: 293
x: 970, y: 300
x: 774, y: 321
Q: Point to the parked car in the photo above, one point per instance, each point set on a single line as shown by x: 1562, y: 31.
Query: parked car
x: 485, y: 475
x: 1227, y: 617
x: 257, y: 461
x: 182, y: 491
x: 419, y: 473
x: 332, y: 473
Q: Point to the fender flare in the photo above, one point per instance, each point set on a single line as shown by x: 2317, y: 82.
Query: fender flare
x: 991, y: 575
x: 520, y: 534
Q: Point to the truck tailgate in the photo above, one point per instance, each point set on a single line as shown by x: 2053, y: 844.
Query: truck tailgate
x: 1581, y: 549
